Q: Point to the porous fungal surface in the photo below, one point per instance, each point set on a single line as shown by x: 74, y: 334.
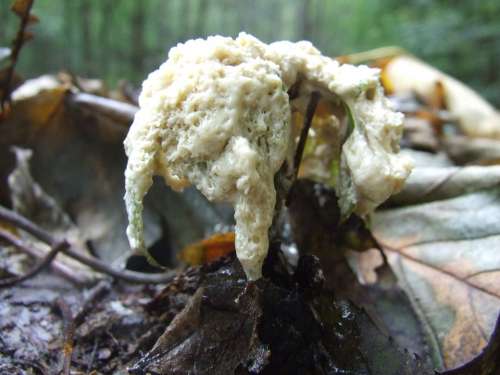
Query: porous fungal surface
x: 217, y: 115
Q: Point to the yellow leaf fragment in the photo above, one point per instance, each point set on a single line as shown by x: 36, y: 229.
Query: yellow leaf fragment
x: 209, y: 249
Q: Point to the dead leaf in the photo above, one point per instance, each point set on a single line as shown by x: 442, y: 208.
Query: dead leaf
x: 215, y: 333
x: 435, y: 183
x: 476, y: 117
x: 39, y: 99
x: 487, y: 362
x: 476, y: 151
x: 266, y: 328
x: 314, y: 222
x: 424, y: 159
x: 209, y: 249
x: 445, y: 254
x: 30, y: 200
x: 365, y: 264
x: 419, y: 134
x: 21, y: 7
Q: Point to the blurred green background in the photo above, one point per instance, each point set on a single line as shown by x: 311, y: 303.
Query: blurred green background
x: 126, y: 39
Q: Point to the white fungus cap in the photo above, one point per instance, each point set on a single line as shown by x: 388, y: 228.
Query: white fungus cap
x: 217, y: 115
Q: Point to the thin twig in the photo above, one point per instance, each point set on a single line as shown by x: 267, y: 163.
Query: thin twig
x: 16, y: 48
x: 119, y: 111
x: 311, y: 108
x: 58, y: 267
x: 126, y: 275
x: 92, y: 355
x: 20, y: 221
x: 71, y: 323
x: 37, y: 269
x: 69, y: 333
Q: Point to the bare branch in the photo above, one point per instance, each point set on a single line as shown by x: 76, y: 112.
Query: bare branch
x: 311, y: 108
x: 37, y: 269
x: 118, y: 111
x: 17, y: 44
x: 58, y: 267
x: 71, y: 322
x: 19, y: 221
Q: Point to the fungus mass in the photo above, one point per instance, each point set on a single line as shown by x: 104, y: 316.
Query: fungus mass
x: 217, y: 115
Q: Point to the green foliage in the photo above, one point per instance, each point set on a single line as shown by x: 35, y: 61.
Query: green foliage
x: 116, y: 39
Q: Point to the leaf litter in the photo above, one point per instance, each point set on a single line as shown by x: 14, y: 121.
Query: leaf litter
x: 432, y: 299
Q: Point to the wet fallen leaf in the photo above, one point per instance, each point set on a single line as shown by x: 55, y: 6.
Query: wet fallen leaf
x: 268, y: 328
x: 314, y: 221
x: 215, y: 327
x: 445, y: 254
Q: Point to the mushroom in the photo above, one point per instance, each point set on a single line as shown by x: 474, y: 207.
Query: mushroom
x: 217, y: 115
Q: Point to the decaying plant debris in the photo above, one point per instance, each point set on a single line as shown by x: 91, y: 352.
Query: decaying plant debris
x: 414, y: 292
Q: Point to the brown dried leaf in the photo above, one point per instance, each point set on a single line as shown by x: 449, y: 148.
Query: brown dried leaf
x: 445, y: 254
x: 487, y: 362
x: 21, y: 7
